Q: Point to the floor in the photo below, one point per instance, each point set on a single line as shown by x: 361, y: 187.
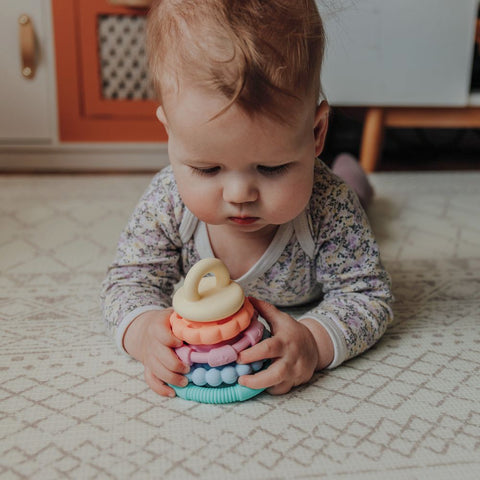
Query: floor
x: 72, y: 407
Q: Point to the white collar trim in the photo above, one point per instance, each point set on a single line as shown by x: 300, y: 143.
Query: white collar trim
x: 191, y: 226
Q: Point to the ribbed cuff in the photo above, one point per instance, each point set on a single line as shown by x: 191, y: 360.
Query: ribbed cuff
x: 336, y: 335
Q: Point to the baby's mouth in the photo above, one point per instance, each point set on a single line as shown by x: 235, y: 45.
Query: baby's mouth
x: 243, y: 220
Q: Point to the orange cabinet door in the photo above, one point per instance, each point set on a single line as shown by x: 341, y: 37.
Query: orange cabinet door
x: 104, y: 94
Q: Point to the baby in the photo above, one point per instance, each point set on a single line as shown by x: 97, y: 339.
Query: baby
x: 240, y: 99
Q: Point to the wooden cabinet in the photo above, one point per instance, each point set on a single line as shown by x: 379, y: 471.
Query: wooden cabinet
x: 103, y: 89
x: 26, y: 84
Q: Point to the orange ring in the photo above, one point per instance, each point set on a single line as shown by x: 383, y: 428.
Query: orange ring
x: 209, y: 333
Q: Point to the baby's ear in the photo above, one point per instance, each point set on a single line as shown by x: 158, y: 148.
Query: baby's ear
x: 320, y: 126
x: 162, y: 117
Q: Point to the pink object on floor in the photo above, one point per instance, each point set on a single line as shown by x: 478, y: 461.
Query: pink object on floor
x: 350, y: 171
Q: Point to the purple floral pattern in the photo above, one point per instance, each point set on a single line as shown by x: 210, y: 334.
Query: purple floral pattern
x: 345, y: 274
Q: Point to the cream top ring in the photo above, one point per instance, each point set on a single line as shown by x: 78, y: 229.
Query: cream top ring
x: 208, y: 299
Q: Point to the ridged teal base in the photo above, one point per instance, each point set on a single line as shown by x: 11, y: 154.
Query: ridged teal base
x: 218, y: 395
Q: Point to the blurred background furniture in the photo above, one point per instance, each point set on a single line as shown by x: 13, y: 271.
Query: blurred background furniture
x: 408, y: 63
x: 378, y: 118
x: 88, y: 104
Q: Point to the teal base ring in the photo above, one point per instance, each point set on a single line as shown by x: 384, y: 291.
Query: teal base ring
x: 216, y: 395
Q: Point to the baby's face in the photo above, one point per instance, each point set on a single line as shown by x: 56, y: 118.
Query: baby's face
x: 248, y: 173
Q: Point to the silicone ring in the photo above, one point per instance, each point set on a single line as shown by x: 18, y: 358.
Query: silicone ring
x: 220, y: 395
x: 197, y: 333
x: 206, y: 299
x: 223, y: 353
x: 201, y: 374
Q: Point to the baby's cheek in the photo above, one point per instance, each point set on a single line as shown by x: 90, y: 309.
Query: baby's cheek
x: 204, y: 208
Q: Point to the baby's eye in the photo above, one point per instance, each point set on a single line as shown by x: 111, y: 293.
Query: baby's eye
x: 210, y: 171
x: 275, y: 170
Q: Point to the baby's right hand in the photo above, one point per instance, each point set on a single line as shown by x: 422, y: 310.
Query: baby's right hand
x: 150, y: 340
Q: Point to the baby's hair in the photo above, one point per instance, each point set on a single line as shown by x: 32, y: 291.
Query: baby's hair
x: 257, y: 53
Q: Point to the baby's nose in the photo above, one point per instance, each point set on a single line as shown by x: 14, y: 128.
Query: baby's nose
x: 240, y: 189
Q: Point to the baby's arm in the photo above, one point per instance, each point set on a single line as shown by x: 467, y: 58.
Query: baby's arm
x: 353, y: 314
x: 355, y: 310
x: 137, y: 290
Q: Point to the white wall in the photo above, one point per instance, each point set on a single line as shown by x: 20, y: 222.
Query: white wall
x: 398, y: 52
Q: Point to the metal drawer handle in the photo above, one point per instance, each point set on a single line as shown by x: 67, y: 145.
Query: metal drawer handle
x: 132, y: 3
x: 27, y: 46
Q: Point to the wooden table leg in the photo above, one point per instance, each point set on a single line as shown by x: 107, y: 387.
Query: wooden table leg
x: 372, y: 138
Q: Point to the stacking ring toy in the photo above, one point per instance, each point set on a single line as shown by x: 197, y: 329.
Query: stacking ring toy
x: 223, y: 394
x: 216, y: 322
x: 223, y: 353
x: 228, y: 374
x: 219, y: 395
x: 206, y: 299
x: 203, y: 333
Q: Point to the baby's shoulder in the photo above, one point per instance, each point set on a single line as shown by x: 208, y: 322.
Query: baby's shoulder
x: 333, y: 204
x: 330, y: 193
x: 162, y: 195
x: 163, y: 182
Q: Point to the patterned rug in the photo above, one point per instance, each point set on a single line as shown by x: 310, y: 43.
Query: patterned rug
x: 71, y: 407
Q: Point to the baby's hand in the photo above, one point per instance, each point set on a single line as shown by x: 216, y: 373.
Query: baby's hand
x: 150, y: 340
x: 292, y: 349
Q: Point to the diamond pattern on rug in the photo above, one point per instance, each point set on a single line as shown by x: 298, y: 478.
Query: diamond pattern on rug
x: 72, y: 407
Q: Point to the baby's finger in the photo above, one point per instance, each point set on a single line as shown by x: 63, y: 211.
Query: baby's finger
x: 267, y: 311
x: 165, y: 336
x: 163, y: 373
x: 281, y: 388
x: 270, y: 377
x: 157, y: 385
x: 268, y: 348
x: 259, y: 380
x: 172, y: 362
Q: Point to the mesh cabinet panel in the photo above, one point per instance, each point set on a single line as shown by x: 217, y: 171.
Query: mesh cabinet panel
x: 123, y: 61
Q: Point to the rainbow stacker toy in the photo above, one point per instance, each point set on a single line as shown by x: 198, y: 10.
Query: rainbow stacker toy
x: 216, y: 322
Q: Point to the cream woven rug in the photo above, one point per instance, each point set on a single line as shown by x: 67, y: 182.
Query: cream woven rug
x: 72, y: 407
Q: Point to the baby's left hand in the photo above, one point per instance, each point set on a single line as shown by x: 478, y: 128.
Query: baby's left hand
x: 292, y: 349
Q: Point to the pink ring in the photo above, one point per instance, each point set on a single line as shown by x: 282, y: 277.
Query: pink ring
x: 221, y: 353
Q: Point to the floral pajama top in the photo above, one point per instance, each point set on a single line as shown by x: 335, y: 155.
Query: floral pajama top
x: 327, y: 254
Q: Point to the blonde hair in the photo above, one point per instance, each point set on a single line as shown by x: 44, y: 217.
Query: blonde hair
x: 254, y: 52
